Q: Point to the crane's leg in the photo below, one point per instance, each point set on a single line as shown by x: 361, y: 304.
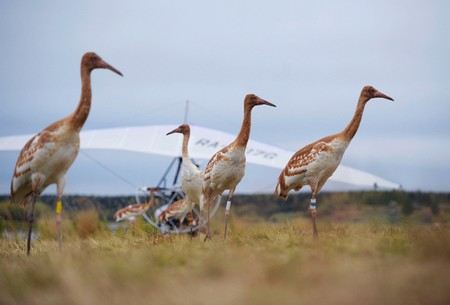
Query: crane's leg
x: 182, y: 218
x: 190, y: 218
x: 313, y: 212
x: 201, y: 203
x: 30, y: 217
x: 37, y: 181
x: 208, y: 229
x: 207, y: 200
x: 227, y: 212
x: 191, y: 224
x: 59, y: 209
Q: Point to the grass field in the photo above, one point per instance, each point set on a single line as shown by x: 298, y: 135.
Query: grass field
x: 261, y: 263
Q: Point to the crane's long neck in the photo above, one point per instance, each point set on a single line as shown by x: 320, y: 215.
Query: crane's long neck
x: 184, y: 150
x: 244, y: 133
x: 81, y: 113
x: 351, y: 129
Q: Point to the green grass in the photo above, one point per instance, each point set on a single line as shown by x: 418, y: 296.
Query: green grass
x: 261, y: 263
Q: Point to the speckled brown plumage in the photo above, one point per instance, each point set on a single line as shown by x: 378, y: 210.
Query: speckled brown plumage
x: 316, y: 162
x: 47, y: 156
x: 226, y: 168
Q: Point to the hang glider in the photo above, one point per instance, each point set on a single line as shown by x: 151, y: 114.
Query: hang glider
x: 204, y: 142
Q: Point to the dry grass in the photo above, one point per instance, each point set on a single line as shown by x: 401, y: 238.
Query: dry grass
x: 87, y: 223
x: 261, y: 263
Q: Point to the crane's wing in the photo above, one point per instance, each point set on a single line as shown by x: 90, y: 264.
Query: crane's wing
x: 300, y: 160
x: 217, y: 157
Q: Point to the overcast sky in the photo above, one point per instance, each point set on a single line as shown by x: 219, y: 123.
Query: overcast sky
x: 311, y: 58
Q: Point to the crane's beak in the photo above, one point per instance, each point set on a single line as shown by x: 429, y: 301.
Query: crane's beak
x: 264, y: 102
x: 173, y: 131
x: 382, y: 95
x: 105, y: 65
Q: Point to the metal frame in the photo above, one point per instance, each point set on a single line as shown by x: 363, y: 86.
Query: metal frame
x: 167, y: 195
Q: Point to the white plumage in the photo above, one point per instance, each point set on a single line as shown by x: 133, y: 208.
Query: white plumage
x: 191, y: 175
x: 191, y: 182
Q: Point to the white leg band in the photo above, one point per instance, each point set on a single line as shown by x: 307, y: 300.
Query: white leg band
x: 227, y: 207
x: 313, y: 204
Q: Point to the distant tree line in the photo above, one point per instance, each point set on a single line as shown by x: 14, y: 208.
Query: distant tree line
x: 261, y: 205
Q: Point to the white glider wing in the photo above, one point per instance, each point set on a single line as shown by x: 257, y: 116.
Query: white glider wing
x: 204, y: 142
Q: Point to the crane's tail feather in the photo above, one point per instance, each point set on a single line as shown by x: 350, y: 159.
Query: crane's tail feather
x: 281, y: 190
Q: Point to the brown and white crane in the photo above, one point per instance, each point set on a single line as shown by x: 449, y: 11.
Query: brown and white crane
x: 316, y: 162
x: 47, y: 156
x: 132, y: 211
x: 226, y: 168
x: 178, y: 210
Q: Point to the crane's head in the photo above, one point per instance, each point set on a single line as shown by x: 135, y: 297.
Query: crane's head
x: 184, y: 129
x: 252, y: 100
x: 92, y: 61
x: 153, y: 190
x: 369, y: 92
